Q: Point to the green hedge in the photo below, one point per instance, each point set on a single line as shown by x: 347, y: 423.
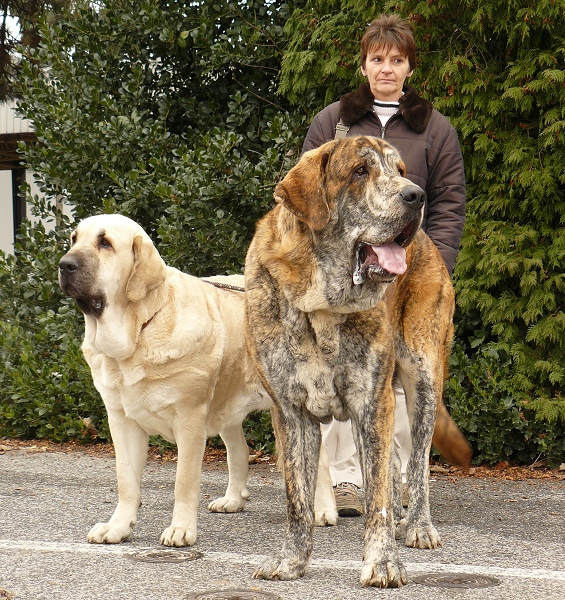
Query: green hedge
x: 498, y: 427
x: 45, y: 385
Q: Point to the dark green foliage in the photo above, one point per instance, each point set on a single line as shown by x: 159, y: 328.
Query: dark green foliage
x: 259, y: 432
x: 321, y: 61
x: 165, y: 112
x: 500, y: 79
x: 46, y: 387
x: 498, y: 426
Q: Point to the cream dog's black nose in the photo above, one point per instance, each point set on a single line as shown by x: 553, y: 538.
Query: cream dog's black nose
x: 68, y: 265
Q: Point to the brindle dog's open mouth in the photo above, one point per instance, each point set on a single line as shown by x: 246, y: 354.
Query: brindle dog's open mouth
x: 385, y: 261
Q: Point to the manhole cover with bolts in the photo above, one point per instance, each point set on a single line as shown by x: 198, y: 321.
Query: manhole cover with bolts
x: 166, y: 556
x: 457, y: 580
x: 233, y: 595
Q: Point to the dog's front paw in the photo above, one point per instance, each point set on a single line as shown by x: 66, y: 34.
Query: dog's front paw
x: 178, y: 536
x: 325, y: 517
x: 109, y: 533
x: 387, y: 573
x: 226, y: 504
x: 281, y: 569
x: 425, y: 537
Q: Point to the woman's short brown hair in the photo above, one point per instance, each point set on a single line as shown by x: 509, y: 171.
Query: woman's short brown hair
x: 388, y: 31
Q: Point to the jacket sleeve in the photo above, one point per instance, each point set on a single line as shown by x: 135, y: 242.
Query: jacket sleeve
x: 322, y: 128
x: 446, y: 200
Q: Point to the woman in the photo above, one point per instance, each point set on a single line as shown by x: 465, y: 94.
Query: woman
x: 386, y: 107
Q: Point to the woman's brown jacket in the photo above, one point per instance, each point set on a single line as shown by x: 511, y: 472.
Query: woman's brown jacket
x: 427, y: 143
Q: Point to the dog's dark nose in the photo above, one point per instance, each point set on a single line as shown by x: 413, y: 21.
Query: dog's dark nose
x: 68, y: 265
x: 413, y: 194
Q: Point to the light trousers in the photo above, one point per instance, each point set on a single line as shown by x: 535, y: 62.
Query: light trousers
x: 337, y: 437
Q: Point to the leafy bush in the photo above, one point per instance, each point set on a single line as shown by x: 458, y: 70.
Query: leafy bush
x: 259, y: 432
x: 167, y: 118
x: 46, y: 387
x: 498, y: 426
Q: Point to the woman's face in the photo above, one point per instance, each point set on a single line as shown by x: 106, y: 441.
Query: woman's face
x: 386, y: 71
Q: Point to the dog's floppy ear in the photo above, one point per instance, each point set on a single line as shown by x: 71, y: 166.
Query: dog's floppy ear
x: 303, y: 190
x: 148, y: 270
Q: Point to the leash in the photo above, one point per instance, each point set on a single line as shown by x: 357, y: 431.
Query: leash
x: 224, y: 286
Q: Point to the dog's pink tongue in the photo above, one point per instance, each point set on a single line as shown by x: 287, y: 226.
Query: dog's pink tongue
x: 392, y: 258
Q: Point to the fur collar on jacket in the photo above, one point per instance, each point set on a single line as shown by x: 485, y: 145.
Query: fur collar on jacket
x: 414, y: 110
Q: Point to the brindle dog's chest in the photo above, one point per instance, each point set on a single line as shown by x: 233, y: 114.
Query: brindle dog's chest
x: 329, y: 361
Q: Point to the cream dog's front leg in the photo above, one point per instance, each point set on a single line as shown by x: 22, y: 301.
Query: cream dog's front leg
x: 130, y: 445
x: 238, y: 469
x: 191, y: 443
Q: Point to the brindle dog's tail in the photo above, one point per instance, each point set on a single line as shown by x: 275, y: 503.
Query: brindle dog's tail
x: 449, y: 440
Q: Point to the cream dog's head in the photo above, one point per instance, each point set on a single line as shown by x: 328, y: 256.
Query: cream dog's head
x: 112, y: 261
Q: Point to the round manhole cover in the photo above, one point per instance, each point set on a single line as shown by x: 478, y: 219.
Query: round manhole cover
x: 457, y: 580
x: 233, y: 595
x: 167, y: 556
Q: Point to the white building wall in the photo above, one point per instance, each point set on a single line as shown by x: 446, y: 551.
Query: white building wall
x: 6, y: 214
x: 10, y: 123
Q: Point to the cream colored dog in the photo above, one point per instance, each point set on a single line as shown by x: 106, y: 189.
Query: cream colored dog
x: 167, y: 354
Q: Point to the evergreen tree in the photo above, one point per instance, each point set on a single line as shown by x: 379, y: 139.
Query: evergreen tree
x: 497, y: 69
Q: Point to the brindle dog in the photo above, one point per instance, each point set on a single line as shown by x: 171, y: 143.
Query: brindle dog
x: 343, y: 289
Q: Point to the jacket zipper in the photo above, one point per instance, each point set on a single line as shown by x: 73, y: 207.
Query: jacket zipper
x: 383, y: 127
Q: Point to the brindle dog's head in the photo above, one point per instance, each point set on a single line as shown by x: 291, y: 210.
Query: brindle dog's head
x: 360, y: 214
x: 112, y: 261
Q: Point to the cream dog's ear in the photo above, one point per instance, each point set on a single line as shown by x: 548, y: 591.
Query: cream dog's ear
x: 303, y: 190
x: 148, y: 270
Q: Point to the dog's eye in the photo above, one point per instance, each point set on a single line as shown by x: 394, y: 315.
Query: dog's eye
x: 73, y: 239
x: 401, y: 168
x: 104, y: 243
x: 361, y: 172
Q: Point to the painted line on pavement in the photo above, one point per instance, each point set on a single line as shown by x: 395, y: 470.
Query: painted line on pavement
x: 319, y: 563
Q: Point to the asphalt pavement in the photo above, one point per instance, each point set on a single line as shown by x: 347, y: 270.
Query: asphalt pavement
x: 501, y: 539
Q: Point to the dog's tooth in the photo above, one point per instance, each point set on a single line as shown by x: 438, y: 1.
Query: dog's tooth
x: 359, y: 276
